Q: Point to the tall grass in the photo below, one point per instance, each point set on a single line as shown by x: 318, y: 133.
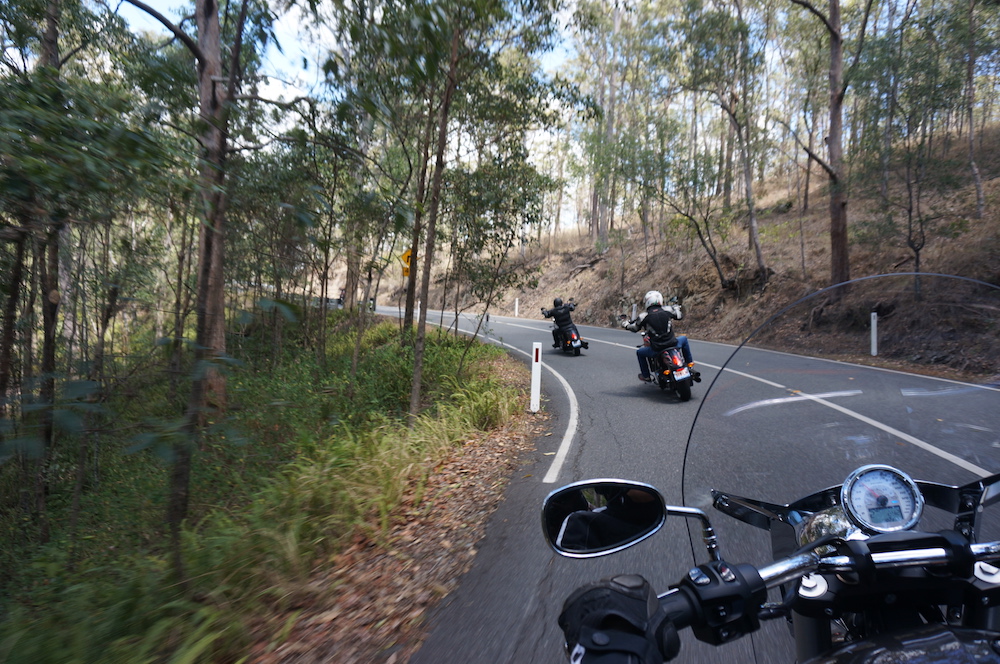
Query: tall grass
x: 315, y: 462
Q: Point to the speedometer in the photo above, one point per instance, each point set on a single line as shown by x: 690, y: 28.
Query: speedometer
x: 881, y: 499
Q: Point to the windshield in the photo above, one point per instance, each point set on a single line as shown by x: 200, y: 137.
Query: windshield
x: 813, y: 394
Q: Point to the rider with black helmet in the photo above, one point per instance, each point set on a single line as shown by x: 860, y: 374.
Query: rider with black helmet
x: 560, y: 312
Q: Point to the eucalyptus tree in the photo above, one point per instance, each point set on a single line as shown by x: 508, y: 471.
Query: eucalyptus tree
x: 495, y: 196
x: 933, y: 75
x: 474, y: 32
x: 971, y: 54
x: 492, y: 207
x: 600, y: 64
x: 222, y: 61
x: 687, y: 183
x: 799, y: 43
x: 723, y: 63
x: 67, y: 141
x: 270, y: 252
x: 384, y: 81
x: 832, y: 21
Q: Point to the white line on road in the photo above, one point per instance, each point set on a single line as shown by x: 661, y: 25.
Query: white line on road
x: 567, y: 441
x: 937, y: 451
x: 574, y: 416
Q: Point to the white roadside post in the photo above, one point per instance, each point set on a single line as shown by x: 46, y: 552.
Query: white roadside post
x: 634, y: 308
x: 874, y: 334
x: 516, y: 301
x: 536, y: 376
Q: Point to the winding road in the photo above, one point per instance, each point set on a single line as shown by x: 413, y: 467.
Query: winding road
x: 608, y: 424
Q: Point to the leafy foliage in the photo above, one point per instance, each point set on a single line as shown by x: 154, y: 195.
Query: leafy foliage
x: 280, y: 488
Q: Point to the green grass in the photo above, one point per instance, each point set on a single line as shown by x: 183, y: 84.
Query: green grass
x: 304, y: 459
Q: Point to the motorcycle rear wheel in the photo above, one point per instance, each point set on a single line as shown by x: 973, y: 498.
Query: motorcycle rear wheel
x: 684, y: 390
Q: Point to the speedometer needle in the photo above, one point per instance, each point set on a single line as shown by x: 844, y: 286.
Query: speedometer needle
x: 870, y: 490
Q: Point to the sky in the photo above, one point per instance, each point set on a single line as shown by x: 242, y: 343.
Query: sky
x: 287, y: 79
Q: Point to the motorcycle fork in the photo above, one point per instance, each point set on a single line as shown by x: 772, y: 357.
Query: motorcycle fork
x: 813, y: 636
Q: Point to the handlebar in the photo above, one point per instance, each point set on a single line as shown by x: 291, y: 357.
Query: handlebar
x: 720, y: 602
x: 782, y: 571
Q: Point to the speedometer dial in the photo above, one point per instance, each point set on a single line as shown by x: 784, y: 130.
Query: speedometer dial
x: 882, y: 499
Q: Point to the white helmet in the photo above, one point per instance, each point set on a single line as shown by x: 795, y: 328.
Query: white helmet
x: 651, y: 298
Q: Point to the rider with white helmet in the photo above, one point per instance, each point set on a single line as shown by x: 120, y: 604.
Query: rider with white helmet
x: 657, y: 320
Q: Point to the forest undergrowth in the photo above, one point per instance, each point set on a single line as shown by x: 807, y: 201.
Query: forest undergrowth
x: 306, y: 461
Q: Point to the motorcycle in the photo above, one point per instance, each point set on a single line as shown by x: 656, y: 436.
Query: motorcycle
x: 671, y: 372
x: 572, y: 342
x: 877, y: 566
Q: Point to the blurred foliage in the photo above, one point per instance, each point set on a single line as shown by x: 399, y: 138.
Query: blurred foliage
x: 279, y: 486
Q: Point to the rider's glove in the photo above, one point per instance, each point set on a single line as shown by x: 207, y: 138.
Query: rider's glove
x: 675, y: 309
x: 617, y: 621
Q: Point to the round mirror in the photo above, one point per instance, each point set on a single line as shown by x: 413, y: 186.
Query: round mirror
x: 597, y: 517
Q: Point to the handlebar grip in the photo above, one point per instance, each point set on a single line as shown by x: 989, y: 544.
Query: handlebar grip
x: 718, y: 601
x: 679, y: 606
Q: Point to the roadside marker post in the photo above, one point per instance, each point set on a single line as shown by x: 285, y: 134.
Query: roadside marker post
x: 536, y: 376
x: 516, y: 302
x: 874, y: 334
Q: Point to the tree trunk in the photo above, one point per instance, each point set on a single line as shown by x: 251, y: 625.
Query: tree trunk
x: 425, y: 277
x: 970, y: 102
x: 411, y: 280
x: 606, y: 211
x: 8, y: 335
x: 209, y: 385
x: 840, y: 269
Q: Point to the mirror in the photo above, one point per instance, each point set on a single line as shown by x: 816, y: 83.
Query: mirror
x: 597, y: 517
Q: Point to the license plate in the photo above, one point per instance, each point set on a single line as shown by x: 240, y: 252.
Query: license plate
x: 681, y: 374
x: 576, y: 344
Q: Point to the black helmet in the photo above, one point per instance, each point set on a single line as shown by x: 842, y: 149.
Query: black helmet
x: 557, y: 302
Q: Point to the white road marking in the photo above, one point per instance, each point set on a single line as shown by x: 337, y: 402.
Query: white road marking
x: 574, y: 407
x: 937, y: 451
x: 567, y: 441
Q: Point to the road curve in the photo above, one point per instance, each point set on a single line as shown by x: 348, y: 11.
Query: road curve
x: 612, y: 425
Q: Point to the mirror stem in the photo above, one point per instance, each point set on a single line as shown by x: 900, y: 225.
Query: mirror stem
x: 707, y: 531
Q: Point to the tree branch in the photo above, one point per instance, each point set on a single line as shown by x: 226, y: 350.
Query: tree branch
x: 817, y: 13
x: 191, y: 44
x: 861, y: 44
x: 815, y: 157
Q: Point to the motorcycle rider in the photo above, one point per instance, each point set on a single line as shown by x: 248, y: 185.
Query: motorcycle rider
x: 657, y: 320
x: 560, y: 312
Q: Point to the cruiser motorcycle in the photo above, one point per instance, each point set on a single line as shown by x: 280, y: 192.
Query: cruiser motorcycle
x: 572, y: 342
x: 866, y: 418
x: 670, y: 372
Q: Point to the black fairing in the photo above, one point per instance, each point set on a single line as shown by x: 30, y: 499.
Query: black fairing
x: 898, y: 370
x: 932, y: 644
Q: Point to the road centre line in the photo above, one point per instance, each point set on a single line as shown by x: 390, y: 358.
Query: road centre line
x: 567, y: 441
x: 947, y: 456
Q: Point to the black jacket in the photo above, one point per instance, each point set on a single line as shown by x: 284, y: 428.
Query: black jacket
x: 658, y: 322
x: 561, y: 314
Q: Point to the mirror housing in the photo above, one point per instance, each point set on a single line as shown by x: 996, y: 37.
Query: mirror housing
x: 597, y: 517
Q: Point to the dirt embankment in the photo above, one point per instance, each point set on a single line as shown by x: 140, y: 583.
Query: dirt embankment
x: 796, y: 253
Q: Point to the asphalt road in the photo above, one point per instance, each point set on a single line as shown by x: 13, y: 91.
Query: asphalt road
x: 506, y: 607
